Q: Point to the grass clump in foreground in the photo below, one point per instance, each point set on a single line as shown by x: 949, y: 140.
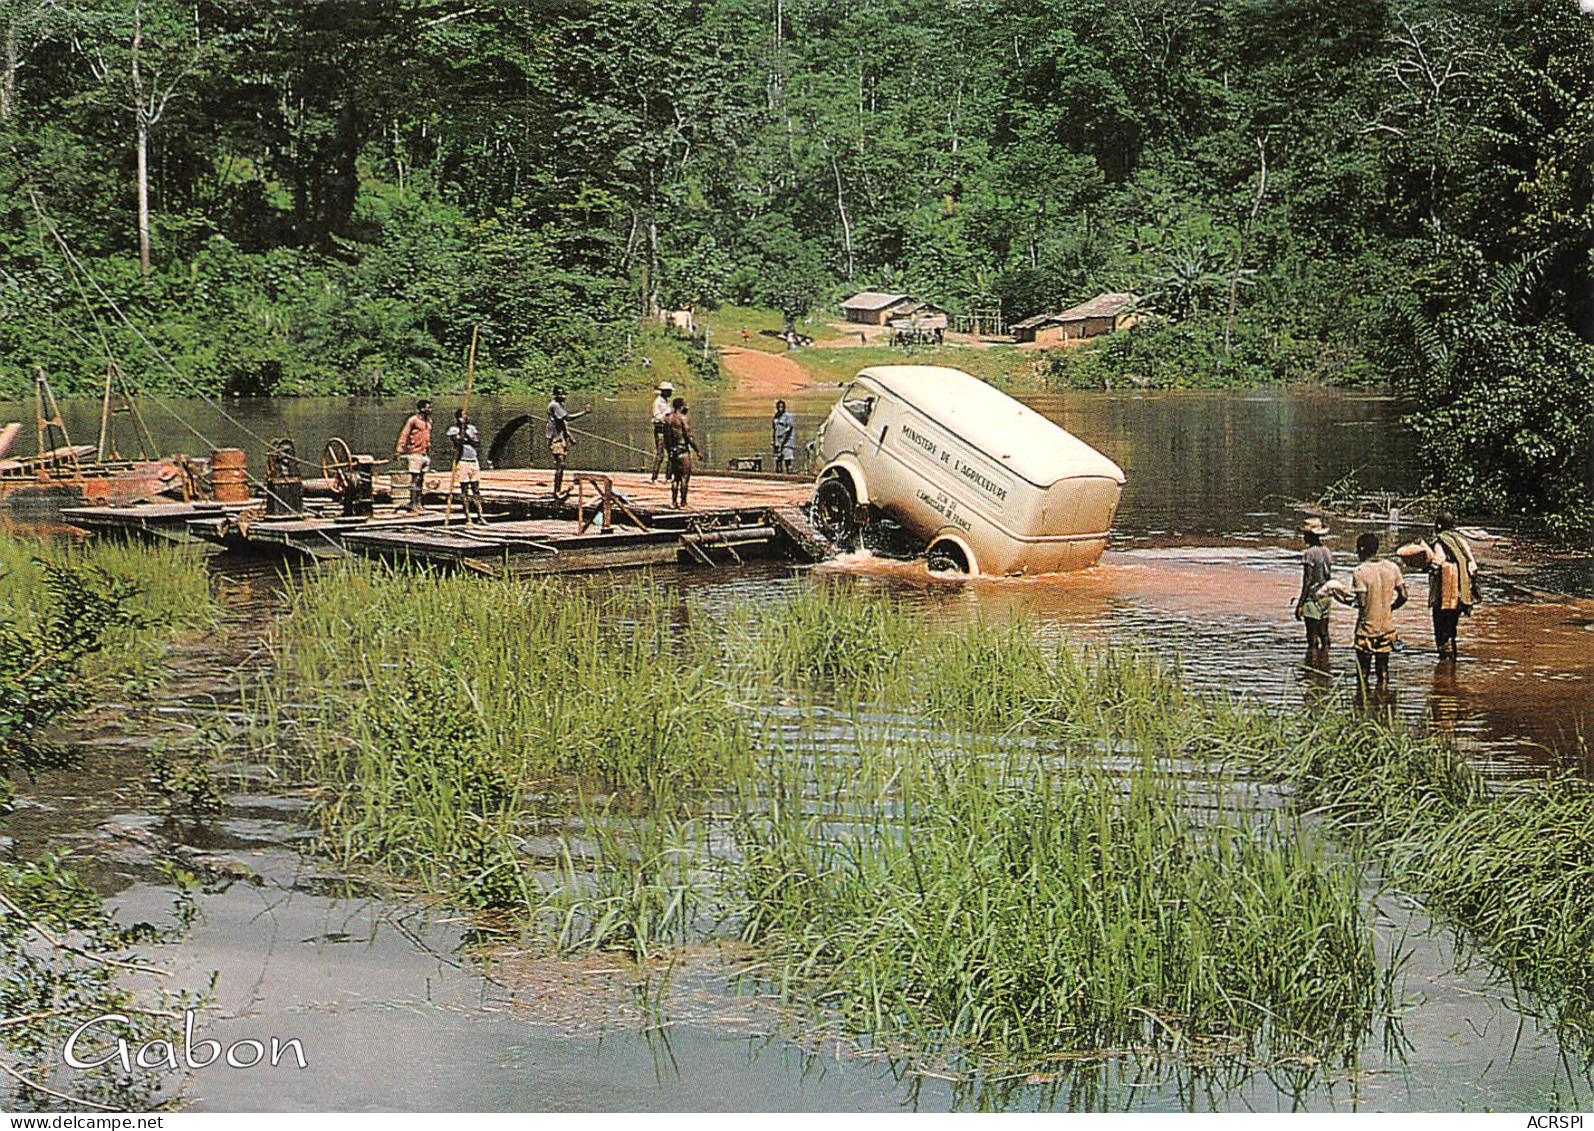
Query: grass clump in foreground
x: 160, y: 592
x: 78, y: 624
x: 1001, y: 904
x: 1512, y: 864
x: 438, y: 710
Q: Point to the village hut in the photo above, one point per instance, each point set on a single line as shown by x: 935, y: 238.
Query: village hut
x: 875, y: 308
x: 1101, y: 315
x: 919, y: 322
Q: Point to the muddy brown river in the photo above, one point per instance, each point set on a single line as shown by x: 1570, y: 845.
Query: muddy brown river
x: 396, y: 1010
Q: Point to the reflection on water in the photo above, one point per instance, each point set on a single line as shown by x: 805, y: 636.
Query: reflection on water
x: 393, y: 1014
x: 1202, y: 562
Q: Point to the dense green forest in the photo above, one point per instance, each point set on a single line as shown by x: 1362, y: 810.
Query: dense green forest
x: 303, y: 196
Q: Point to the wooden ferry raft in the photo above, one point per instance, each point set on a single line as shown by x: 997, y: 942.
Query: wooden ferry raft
x: 607, y: 521
x: 531, y: 489
x: 156, y: 520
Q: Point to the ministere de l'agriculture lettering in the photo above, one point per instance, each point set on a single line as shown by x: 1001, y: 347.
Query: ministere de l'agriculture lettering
x: 86, y: 1048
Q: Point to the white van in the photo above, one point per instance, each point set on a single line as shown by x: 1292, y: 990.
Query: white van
x: 988, y: 485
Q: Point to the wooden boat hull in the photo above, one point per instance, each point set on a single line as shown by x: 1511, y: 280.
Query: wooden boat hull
x: 91, y: 485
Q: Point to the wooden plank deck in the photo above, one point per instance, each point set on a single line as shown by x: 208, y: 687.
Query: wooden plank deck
x: 167, y: 522
x: 529, y: 530
x: 716, y: 492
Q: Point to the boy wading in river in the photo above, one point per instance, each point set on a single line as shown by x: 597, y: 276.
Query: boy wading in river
x: 1378, y: 589
x: 678, y: 439
x: 1317, y: 568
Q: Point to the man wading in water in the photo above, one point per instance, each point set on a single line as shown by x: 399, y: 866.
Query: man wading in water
x: 557, y: 432
x: 1452, y: 582
x: 678, y: 439
x: 1378, y: 590
x: 1313, y: 605
x: 414, y: 442
x: 661, y: 412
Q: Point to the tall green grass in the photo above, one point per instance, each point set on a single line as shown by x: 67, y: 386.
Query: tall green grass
x: 1512, y: 864
x: 173, y: 593
x: 951, y: 831
x: 437, y: 709
x: 1000, y: 904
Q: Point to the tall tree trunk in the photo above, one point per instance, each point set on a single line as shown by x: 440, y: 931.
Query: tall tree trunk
x: 143, y: 195
x: 846, y: 226
x: 8, y: 78
x: 141, y: 117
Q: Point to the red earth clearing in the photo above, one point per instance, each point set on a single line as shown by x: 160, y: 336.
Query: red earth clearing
x: 764, y: 374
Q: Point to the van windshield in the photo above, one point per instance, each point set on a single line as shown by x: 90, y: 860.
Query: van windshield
x: 860, y: 403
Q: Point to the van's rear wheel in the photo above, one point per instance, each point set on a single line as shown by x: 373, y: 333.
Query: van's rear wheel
x: 946, y: 557
x: 836, y: 512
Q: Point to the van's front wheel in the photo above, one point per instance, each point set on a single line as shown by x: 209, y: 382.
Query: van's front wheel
x: 836, y: 512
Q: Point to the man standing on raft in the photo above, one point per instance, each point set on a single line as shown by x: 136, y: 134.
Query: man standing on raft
x: 681, y: 444
x: 414, y: 444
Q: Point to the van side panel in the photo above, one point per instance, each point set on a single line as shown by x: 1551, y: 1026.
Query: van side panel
x: 935, y: 484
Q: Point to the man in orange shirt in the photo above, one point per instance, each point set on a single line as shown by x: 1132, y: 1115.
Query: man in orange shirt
x: 414, y: 447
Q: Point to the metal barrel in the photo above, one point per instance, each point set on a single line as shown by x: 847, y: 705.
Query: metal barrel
x: 229, y: 476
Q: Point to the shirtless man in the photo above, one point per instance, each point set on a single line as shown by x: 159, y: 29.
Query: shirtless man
x: 1378, y: 588
x: 681, y: 444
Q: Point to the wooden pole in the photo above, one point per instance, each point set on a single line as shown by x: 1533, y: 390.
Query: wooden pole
x: 453, y: 476
x: 105, y: 407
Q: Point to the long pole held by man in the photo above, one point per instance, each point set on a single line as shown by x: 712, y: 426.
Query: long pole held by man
x: 470, y: 377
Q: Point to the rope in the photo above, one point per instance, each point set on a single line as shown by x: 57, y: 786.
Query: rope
x: 73, y: 261
x: 90, y: 345
x: 606, y: 440
x: 75, y: 264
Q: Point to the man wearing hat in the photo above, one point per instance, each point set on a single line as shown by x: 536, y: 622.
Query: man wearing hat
x: 558, y: 433
x: 1317, y: 568
x: 661, y: 412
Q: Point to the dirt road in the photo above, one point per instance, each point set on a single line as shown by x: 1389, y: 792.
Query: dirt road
x: 764, y: 374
